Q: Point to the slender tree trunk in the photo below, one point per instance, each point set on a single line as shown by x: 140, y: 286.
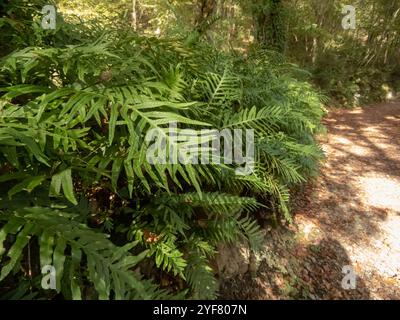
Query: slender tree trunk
x: 134, y: 15
x: 314, y: 50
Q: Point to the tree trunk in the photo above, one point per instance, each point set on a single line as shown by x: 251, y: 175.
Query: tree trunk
x: 206, y: 10
x: 134, y: 16
x: 270, y: 25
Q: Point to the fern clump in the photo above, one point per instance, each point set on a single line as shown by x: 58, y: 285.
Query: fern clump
x: 77, y: 191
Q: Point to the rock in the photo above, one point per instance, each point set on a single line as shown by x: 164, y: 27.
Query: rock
x: 232, y: 260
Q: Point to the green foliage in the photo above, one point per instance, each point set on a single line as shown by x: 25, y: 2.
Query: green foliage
x: 107, y: 266
x: 74, y: 114
x: 351, y: 66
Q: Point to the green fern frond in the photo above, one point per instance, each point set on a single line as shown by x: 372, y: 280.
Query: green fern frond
x: 214, y: 202
x: 222, y: 89
x: 201, y: 277
x: 251, y: 231
x: 108, y: 266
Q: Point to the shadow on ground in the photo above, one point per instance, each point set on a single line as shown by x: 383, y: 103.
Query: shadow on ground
x: 295, y: 272
x: 348, y: 216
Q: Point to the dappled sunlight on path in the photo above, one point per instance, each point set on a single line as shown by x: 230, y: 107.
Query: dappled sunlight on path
x: 381, y: 192
x: 356, y: 201
x: 349, y: 216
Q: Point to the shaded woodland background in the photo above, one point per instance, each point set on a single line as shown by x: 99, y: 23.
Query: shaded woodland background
x: 353, y: 66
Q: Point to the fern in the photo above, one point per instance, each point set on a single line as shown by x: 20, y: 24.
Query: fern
x: 251, y: 230
x: 168, y: 257
x: 108, y: 267
x: 201, y: 277
x: 214, y: 202
x: 76, y: 106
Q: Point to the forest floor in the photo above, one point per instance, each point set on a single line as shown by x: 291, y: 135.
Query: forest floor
x: 349, y: 216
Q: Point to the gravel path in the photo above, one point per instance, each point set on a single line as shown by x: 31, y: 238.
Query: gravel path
x: 349, y: 217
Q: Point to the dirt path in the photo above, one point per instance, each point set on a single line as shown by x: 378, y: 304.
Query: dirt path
x: 349, y: 217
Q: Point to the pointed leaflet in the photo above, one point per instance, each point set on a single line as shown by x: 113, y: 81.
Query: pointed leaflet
x: 115, y: 172
x: 58, y: 261
x: 113, y: 122
x: 67, y: 185
x: 63, y: 179
x: 11, y: 227
x: 28, y: 185
x: 16, y: 250
x: 46, y: 243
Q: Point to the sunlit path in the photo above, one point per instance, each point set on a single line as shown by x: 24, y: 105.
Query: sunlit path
x: 349, y: 216
x: 357, y: 198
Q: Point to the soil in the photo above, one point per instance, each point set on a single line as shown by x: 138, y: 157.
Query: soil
x: 348, y: 220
